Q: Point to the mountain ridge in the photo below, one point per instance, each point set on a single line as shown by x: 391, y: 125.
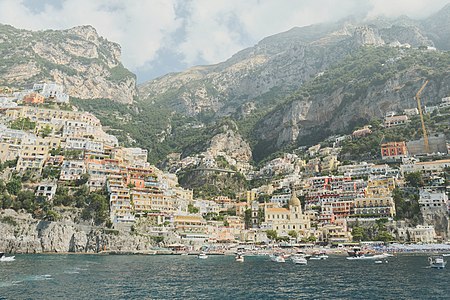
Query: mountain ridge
x: 85, y: 63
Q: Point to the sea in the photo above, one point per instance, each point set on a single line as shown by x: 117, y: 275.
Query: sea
x: 75, y: 276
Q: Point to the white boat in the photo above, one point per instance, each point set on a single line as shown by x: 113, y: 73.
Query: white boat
x: 365, y: 257
x: 378, y: 261
x: 202, y: 256
x: 239, y: 257
x: 277, y: 258
x: 356, y: 254
x: 320, y: 256
x: 299, y: 260
x: 437, y: 262
x: 5, y: 258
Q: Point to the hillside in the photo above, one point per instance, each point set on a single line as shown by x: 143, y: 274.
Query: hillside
x: 366, y: 85
x: 86, y: 64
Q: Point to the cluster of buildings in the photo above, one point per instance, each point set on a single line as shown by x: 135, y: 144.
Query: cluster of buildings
x: 75, y: 145
x: 311, y: 197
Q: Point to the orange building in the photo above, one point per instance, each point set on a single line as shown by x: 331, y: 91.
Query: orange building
x: 394, y: 150
x: 33, y: 98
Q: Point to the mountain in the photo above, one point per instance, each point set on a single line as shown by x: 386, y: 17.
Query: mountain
x: 275, y: 67
x: 296, y: 87
x: 86, y: 64
x: 364, y: 86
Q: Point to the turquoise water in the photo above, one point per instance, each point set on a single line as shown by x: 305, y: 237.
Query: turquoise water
x: 218, y: 277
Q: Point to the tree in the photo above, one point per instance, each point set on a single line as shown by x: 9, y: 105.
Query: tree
x: 14, y: 186
x: 192, y: 209
x: 46, y: 131
x: 51, y: 172
x: 271, y: 234
x: 248, y: 218
x: 293, y: 234
x: 357, y: 233
x: 82, y: 180
x: 312, y: 238
x: 26, y: 198
x: 414, y: 179
x: 384, y: 236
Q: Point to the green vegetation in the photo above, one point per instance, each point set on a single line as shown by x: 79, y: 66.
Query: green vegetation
x: 119, y: 73
x: 271, y: 234
x: 23, y: 124
x: 372, y: 232
x: 192, y: 209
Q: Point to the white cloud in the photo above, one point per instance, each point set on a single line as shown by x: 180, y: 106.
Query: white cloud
x: 204, y: 31
x: 411, y: 8
x: 140, y: 26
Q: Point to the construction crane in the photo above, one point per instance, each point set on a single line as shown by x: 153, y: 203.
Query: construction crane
x: 419, y: 107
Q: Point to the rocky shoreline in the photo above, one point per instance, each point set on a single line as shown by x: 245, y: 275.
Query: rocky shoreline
x: 21, y: 233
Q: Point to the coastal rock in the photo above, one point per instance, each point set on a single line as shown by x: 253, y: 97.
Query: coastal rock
x: 20, y: 233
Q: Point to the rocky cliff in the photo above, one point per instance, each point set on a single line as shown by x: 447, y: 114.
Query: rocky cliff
x: 365, y: 86
x: 86, y: 64
x: 20, y: 233
x: 267, y: 89
x: 276, y: 66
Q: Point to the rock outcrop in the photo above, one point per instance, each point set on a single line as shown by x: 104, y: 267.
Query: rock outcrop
x: 86, y: 64
x: 20, y: 233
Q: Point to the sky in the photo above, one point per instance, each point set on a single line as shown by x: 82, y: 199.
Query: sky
x: 162, y: 36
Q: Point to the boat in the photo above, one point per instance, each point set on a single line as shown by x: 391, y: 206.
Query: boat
x: 6, y: 258
x: 202, y: 255
x: 378, y: 261
x: 279, y: 258
x: 239, y: 257
x: 305, y: 255
x: 319, y: 256
x: 366, y: 256
x: 357, y: 254
x: 437, y: 262
x: 299, y: 259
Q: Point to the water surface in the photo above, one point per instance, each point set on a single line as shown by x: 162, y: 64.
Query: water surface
x: 218, y: 277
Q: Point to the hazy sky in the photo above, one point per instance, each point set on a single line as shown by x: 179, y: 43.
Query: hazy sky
x: 161, y: 36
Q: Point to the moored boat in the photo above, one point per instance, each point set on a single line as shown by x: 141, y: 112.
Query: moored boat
x: 6, y: 258
x: 357, y: 254
x: 239, y: 257
x: 299, y: 259
x: 437, y: 262
x: 202, y: 255
x: 279, y: 258
x: 319, y: 256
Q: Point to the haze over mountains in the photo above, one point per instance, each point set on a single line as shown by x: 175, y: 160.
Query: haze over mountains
x: 292, y: 88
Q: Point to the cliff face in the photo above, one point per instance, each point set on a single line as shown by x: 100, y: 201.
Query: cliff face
x: 275, y: 67
x: 359, y: 99
x: 86, y: 64
x: 20, y: 233
x: 265, y: 88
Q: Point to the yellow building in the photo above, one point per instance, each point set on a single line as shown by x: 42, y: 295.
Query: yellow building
x: 32, y: 157
x: 146, y: 200
x: 9, y: 151
x: 250, y: 196
x: 283, y: 220
x: 374, y: 207
x: 191, y: 224
x: 380, y: 187
x: 36, y: 114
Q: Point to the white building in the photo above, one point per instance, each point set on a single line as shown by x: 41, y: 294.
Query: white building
x: 51, y: 91
x: 46, y: 189
x: 72, y: 169
x: 281, y: 199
